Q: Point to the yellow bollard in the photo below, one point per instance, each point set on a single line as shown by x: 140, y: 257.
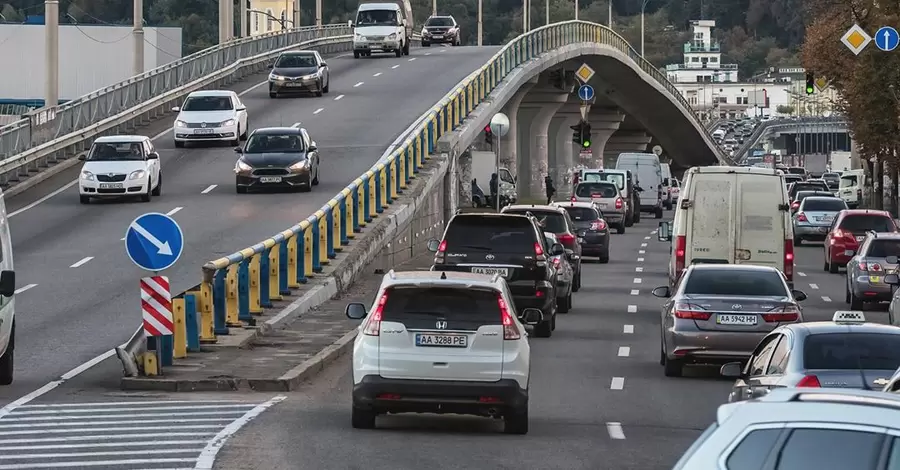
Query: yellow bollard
x: 372, y: 199
x: 361, y: 201
x: 411, y: 157
x: 336, y: 224
x: 179, y: 335
x: 323, y: 237
x: 403, y: 163
x: 255, y: 286
x: 307, y: 248
x: 292, y: 262
x: 205, y: 307
x: 274, y: 258
x: 397, y: 174
x: 231, y: 297
x: 420, y: 147
x: 151, y: 366
x: 348, y: 203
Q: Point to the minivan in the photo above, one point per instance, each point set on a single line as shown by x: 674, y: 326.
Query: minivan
x: 7, y: 299
x: 667, y: 185
x: 648, y: 172
x: 625, y: 182
x: 733, y: 215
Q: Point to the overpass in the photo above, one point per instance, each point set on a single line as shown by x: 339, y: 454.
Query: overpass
x: 773, y: 128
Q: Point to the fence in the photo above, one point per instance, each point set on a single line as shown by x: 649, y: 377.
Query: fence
x: 742, y: 152
x: 237, y: 288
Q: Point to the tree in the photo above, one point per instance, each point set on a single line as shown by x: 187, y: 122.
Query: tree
x: 784, y: 109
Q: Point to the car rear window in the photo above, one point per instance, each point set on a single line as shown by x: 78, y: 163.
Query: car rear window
x: 735, y: 282
x: 809, y: 187
x: 864, y: 223
x: 423, y: 307
x: 601, y: 189
x: 497, y: 234
x: 582, y: 214
x: 852, y: 351
x: 824, y: 205
x: 884, y: 248
x: 796, y: 170
x: 549, y: 221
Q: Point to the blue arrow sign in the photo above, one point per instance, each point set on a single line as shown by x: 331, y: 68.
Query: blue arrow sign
x: 154, y: 241
x: 887, y: 38
x: 586, y: 92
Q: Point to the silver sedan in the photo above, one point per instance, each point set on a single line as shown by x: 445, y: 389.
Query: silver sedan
x: 814, y: 217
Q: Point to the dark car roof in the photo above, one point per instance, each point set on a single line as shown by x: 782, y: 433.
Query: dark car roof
x: 278, y: 131
x: 824, y: 327
x: 732, y: 267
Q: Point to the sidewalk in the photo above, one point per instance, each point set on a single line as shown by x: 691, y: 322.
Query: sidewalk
x: 281, y: 359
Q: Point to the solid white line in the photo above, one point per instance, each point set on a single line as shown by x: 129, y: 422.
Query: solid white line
x: 358, y: 84
x: 377, y: 74
x: 643, y: 245
x: 813, y: 286
x: 63, y: 411
x: 412, y: 59
x: 646, y: 238
x: 85, y: 418
x: 635, y: 292
x: 395, y: 66
x: 33, y: 440
x: 641, y: 252
x: 38, y: 421
x: 112, y: 429
x: 95, y: 463
x: 82, y: 262
x: 637, y: 280
x: 801, y: 274
x: 98, y: 454
x: 624, y: 351
x: 208, y: 456
x: 652, y: 232
x: 338, y: 97
x: 132, y: 403
x: 640, y: 260
x: 43, y: 199
x: 826, y: 298
x: 632, y: 309
x: 615, y: 430
x: 618, y: 383
x: 25, y: 288
x: 638, y: 269
x: 208, y: 189
x: 101, y: 444
x: 174, y: 211
x: 318, y: 110
x: 628, y: 330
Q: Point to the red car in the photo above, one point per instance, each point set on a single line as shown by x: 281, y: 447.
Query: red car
x: 848, y: 229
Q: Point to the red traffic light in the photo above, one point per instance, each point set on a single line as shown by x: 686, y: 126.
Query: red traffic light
x: 487, y: 128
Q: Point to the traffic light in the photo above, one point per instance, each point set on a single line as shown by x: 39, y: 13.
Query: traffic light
x: 581, y: 134
x: 488, y: 136
x: 810, y: 83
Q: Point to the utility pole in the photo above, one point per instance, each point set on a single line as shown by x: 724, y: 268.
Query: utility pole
x: 51, y: 32
x: 318, y: 14
x: 244, y: 23
x: 576, y: 10
x: 547, y: 12
x: 480, y: 23
x: 610, y: 14
x: 223, y: 20
x: 138, y: 35
x: 524, y: 16
x: 433, y: 7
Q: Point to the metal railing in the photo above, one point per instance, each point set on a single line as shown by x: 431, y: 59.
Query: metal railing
x: 234, y: 290
x: 768, y: 126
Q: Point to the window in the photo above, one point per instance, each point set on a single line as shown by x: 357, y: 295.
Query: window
x: 274, y: 143
x: 779, y: 357
x: 848, y: 181
x: 894, y: 459
x: 439, y: 21
x: 256, y: 22
x: 270, y: 20
x: 462, y: 309
x: 582, y: 214
x: 735, y: 282
x: 695, y: 59
x: 752, y: 451
x: 296, y: 61
x: 820, y: 204
x: 306, y: 139
x: 830, y: 449
x: 552, y: 222
x: 884, y: 248
x: 761, y: 356
x: 713, y: 59
x: 604, y: 190
x: 864, y: 223
x: 852, y: 351
x: 491, y: 234
x: 208, y: 103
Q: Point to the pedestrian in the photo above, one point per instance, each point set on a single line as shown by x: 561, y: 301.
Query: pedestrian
x: 551, y: 190
x: 494, y: 189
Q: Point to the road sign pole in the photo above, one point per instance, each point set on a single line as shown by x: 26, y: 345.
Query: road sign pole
x: 497, y: 172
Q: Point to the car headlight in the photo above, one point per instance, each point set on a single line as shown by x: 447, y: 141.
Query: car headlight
x: 300, y: 166
x: 240, y: 167
x: 360, y: 37
x: 137, y: 174
x: 425, y: 32
x: 87, y: 176
x: 229, y: 122
x: 392, y: 36
x: 272, y: 76
x: 180, y: 124
x: 311, y: 76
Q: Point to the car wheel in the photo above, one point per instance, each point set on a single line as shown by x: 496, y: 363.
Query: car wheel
x: 659, y: 213
x: 629, y: 219
x: 320, y: 90
x: 425, y: 44
x: 146, y: 197
x: 84, y: 199
x: 637, y: 216
x: 355, y: 55
x: 237, y: 140
x: 604, y: 259
x: 6, y: 361
x: 406, y: 48
x: 272, y: 94
x: 855, y: 302
x: 544, y: 329
x: 179, y: 144
x: 833, y: 268
x: 362, y: 419
x: 827, y: 266
x: 562, y: 304
x: 398, y: 52
x: 620, y: 229
x: 158, y: 189
x: 246, y: 131
x: 672, y: 367
x: 569, y: 301
x: 315, y: 180
x: 515, y: 421
x: 240, y: 189
x: 577, y: 285
x: 668, y: 206
x: 847, y: 294
x: 327, y: 87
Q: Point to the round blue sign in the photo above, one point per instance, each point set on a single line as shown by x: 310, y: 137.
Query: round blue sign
x: 154, y: 241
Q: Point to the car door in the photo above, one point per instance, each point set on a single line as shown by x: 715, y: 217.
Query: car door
x: 312, y: 156
x: 743, y: 388
x: 241, y: 110
x: 326, y: 72
x: 153, y: 165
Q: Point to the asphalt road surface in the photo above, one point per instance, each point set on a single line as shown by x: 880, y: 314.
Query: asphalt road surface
x: 79, y: 292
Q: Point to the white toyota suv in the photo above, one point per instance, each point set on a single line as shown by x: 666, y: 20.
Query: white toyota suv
x: 442, y: 342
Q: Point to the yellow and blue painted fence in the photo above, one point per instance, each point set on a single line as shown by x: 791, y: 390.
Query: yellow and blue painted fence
x: 237, y: 288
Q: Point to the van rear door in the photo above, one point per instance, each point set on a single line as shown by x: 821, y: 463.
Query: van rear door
x: 711, y: 219
x: 761, y: 231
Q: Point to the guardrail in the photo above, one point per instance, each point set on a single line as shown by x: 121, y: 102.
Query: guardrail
x: 766, y: 126
x: 48, y: 135
x: 236, y: 289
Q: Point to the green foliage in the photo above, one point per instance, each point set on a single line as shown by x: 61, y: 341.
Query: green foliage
x: 785, y: 109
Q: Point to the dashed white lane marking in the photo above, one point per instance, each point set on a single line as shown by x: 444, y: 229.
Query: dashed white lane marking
x: 615, y: 431
x: 427, y: 53
x: 637, y: 280
x: 443, y: 50
x: 209, y: 188
x: 638, y: 269
x: 377, y: 74
x: 813, y: 286
x: 801, y: 274
x: 826, y: 298
x: 652, y: 232
x: 318, y: 110
x: 628, y: 329
x: 632, y: 308
x: 618, y: 383
x: 395, y: 66
x: 640, y: 260
x: 297, y: 125
x: 39, y: 201
x: 412, y: 59
x: 338, y: 97
x: 635, y: 292
x: 174, y: 211
x: 82, y: 262
x: 643, y: 245
x: 358, y: 84
x: 642, y: 252
x: 25, y: 288
x: 646, y: 238
x: 624, y: 351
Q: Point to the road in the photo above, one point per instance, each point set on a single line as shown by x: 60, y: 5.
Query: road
x: 79, y: 292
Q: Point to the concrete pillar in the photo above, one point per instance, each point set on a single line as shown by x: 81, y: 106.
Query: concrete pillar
x: 624, y: 141
x: 138, y: 37
x: 604, y: 123
x: 508, y: 147
x: 561, y: 159
x: 532, y: 144
x: 51, y: 48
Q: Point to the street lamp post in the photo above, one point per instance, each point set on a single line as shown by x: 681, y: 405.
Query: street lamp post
x: 643, y: 8
x: 282, y: 21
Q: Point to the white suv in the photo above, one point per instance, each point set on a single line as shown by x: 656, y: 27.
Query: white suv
x: 442, y: 342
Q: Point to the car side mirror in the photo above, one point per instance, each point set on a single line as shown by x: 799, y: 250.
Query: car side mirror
x: 323, y: 65
x: 356, y: 311
x: 731, y: 370
x: 557, y: 249
x: 238, y: 150
x: 664, y: 233
x: 312, y: 148
x: 799, y: 295
x: 891, y: 260
x: 82, y: 157
x: 531, y: 316
x: 569, y: 252
x: 240, y: 109
x: 271, y: 66
x: 152, y: 156
x: 176, y: 109
x: 892, y: 279
x: 7, y: 283
x: 662, y: 291
x: 433, y: 245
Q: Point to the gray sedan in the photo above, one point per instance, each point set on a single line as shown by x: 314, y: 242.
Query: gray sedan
x: 814, y: 217
x: 876, y: 257
x: 719, y: 312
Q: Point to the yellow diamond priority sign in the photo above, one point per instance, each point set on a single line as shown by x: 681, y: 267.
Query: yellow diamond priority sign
x: 822, y: 83
x: 584, y: 73
x: 856, y: 39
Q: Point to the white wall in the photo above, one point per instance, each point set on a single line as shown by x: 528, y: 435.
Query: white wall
x: 90, y: 57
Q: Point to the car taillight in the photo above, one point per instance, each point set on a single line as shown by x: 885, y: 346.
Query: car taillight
x: 443, y: 246
x: 619, y: 203
x: 680, y: 248
x: 795, y: 205
x: 598, y: 225
x: 510, y: 329
x: 373, y: 324
x: 801, y: 217
x: 573, y: 200
x: 782, y: 314
x: 789, y: 259
x: 538, y: 250
x: 810, y: 381
x: 691, y: 312
x: 872, y: 267
x: 567, y: 239
x: 556, y: 262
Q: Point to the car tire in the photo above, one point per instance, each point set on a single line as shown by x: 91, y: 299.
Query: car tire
x: 577, y: 284
x: 426, y: 44
x: 355, y: 54
x: 240, y: 189
x: 246, y: 132
x: 148, y: 196
x: 7, y: 360
x: 833, y: 268
x: 798, y: 241
x: 179, y: 144
x: 320, y: 90
x: 847, y: 294
x: 827, y: 266
x: 84, y: 199
x: 315, y: 181
x: 668, y: 206
x: 544, y: 329
x: 672, y: 367
x: 237, y: 140
x: 604, y: 259
x: 658, y: 213
x: 158, y: 189
x: 620, y: 229
x: 637, y: 216
x: 569, y: 303
x: 562, y: 304
x: 406, y: 48
x: 399, y: 52
x: 629, y: 219
x: 327, y: 86
x: 362, y: 419
x: 855, y: 302
x: 272, y: 94
x: 515, y: 421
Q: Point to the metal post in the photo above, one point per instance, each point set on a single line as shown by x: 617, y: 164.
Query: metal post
x: 480, y: 25
x: 643, y: 9
x: 138, y: 35
x: 229, y: 10
x: 497, y: 171
x: 245, y: 24
x: 546, y: 11
x: 610, y: 14
x: 51, y: 29
x: 576, y: 10
x: 524, y: 16
x: 318, y: 13
x: 434, y: 7
x: 223, y: 21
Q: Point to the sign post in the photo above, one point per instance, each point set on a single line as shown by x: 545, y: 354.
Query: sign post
x: 499, y: 127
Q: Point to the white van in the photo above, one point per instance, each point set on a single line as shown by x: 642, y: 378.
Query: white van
x: 647, y: 171
x: 621, y: 179
x: 7, y: 301
x: 667, y: 185
x: 735, y: 215
x: 850, y: 188
x: 381, y: 27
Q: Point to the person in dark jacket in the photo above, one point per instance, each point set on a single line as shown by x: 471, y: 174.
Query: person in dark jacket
x: 551, y: 190
x: 494, y: 187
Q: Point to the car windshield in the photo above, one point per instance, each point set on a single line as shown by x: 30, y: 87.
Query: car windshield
x: 735, y: 282
x: 494, y: 234
x: 295, y: 61
x: 796, y: 170
x: 792, y: 179
x: 831, y: 177
x: 821, y: 204
x: 617, y: 179
x: 582, y: 214
x: 848, y: 351
x: 549, y: 221
x: 207, y: 103
x: 884, y: 248
x: 864, y: 222
x: 273, y: 143
x: 439, y: 21
x: 604, y: 190
x: 806, y: 186
x: 116, y: 151
x: 848, y: 181
x: 377, y: 18
x: 462, y: 309
x: 801, y: 195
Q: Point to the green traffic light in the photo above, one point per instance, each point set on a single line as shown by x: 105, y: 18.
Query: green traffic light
x: 809, y: 90
x: 586, y: 143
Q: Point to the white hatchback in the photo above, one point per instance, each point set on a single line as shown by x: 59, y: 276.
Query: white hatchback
x: 120, y: 166
x: 211, y: 115
x: 442, y: 342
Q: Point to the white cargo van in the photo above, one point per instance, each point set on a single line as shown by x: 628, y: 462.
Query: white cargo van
x: 735, y: 215
x: 647, y: 171
x: 851, y: 187
x: 667, y: 185
x: 622, y: 179
x: 382, y: 27
x: 7, y: 301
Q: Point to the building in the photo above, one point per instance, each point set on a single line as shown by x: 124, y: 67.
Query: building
x: 267, y: 16
x: 702, y: 59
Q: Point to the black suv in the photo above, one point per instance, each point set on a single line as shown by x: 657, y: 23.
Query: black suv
x: 512, y: 245
x: 556, y: 220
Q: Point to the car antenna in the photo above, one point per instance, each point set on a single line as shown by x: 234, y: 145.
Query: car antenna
x: 444, y: 275
x: 862, y: 374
